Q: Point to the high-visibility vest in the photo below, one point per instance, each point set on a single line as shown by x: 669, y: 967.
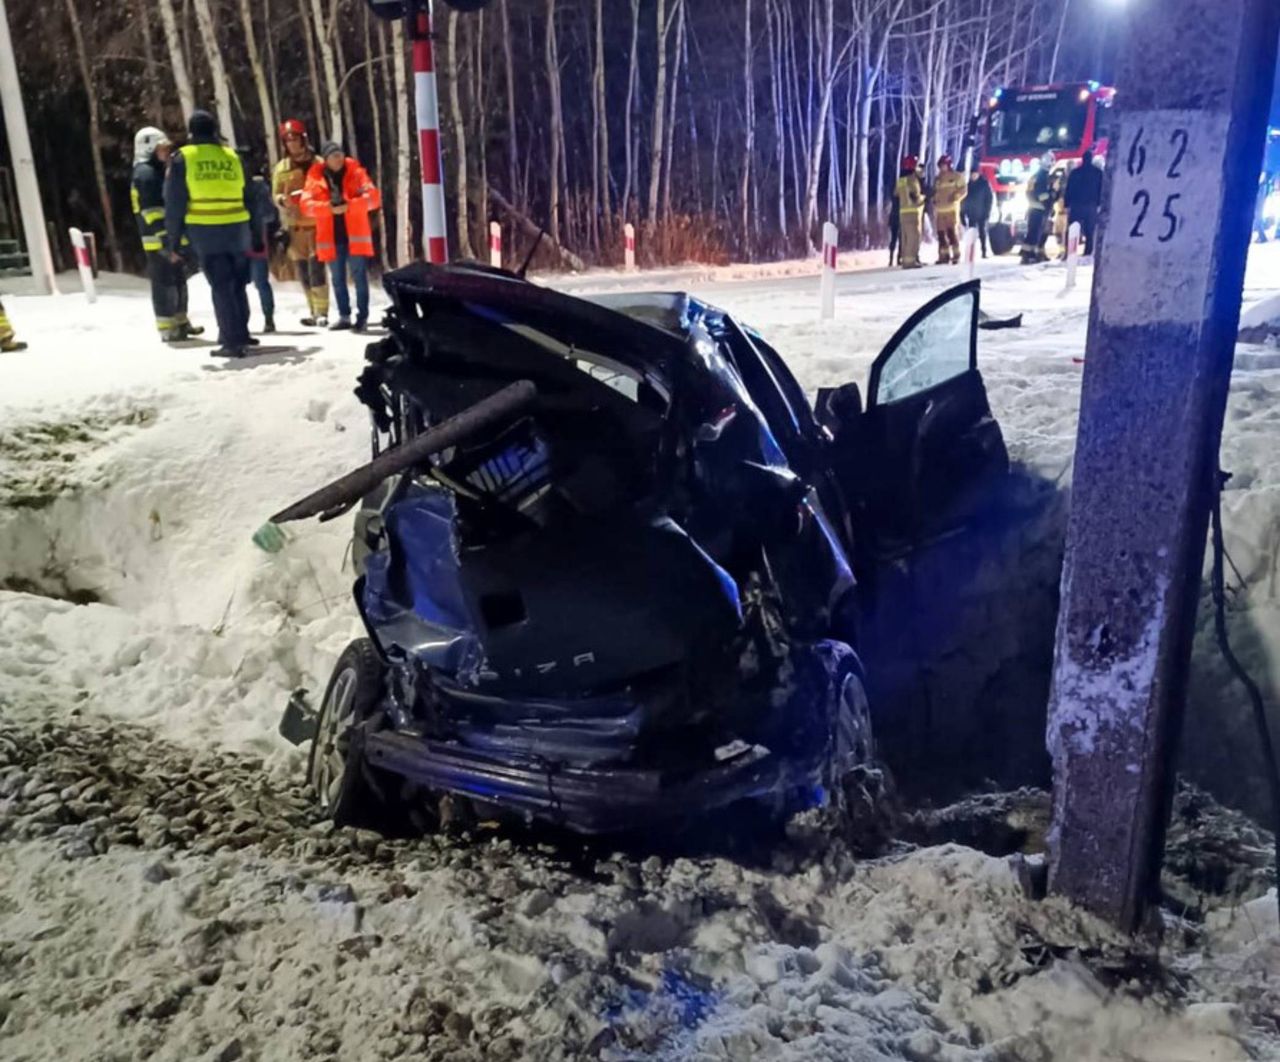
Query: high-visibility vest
x: 215, y: 185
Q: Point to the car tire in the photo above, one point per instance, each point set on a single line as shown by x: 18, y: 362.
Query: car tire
x: 848, y: 711
x: 336, y: 769
x: 1000, y: 236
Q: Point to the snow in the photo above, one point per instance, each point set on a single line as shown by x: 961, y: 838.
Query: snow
x: 137, y: 474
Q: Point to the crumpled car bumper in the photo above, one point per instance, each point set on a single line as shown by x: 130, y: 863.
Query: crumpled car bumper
x: 595, y: 799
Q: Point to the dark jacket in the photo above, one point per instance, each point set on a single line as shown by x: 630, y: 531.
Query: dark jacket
x: 1084, y: 189
x: 976, y: 209
x: 147, y: 196
x: 206, y: 239
x: 1040, y: 190
x: 264, y: 217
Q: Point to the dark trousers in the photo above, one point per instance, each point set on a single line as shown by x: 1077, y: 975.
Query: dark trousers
x: 168, y: 290
x: 981, y: 226
x: 260, y: 269
x: 1088, y: 226
x: 228, y: 277
x: 1036, y: 235
x: 895, y: 233
x: 359, y: 266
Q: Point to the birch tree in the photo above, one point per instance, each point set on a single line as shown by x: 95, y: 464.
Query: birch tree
x: 95, y: 135
x: 260, y: 83
x: 213, y: 53
x: 459, y: 141
x: 177, y: 57
x: 404, y: 226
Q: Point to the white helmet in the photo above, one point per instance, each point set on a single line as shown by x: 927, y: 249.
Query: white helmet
x: 146, y: 141
x: 1047, y: 160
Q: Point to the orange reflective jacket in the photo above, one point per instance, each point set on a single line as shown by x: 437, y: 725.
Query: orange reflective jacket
x: 360, y: 195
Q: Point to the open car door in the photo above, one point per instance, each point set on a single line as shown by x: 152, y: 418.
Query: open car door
x: 922, y: 458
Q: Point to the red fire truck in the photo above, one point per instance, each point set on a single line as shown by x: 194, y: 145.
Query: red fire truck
x: 1018, y: 126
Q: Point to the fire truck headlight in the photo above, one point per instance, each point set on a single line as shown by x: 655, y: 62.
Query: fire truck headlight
x: 1014, y: 209
x: 1018, y: 168
x: 1006, y: 167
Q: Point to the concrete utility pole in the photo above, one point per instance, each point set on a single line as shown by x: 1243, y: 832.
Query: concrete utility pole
x: 1194, y: 89
x: 24, y: 164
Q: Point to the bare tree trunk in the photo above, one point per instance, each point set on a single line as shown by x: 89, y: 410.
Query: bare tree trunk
x: 632, y: 75
x: 177, y: 60
x: 155, y: 99
x: 881, y: 176
x: 330, y: 68
x: 779, y: 117
x: 681, y: 55
x: 749, y: 115
x: 513, y: 152
x: 658, y: 141
x: 404, y: 226
x: 349, y: 140
x: 260, y: 81
x: 552, y: 58
x: 601, y: 115
x: 826, y: 76
x: 1057, y: 42
x: 313, y: 70
x: 479, y: 104
x: 461, y: 213
x: 375, y: 108
x: 95, y: 136
x: 213, y: 52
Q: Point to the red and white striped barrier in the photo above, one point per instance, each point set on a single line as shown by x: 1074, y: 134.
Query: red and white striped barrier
x: 434, y: 235
x: 629, y: 247
x: 830, y: 239
x: 1073, y: 254
x: 85, y: 264
x: 495, y: 245
x: 969, y: 252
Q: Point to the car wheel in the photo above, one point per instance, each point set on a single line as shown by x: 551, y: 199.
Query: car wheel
x: 852, y: 746
x: 1000, y: 236
x: 336, y: 769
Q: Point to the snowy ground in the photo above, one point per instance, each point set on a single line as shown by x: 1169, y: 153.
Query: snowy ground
x: 164, y: 892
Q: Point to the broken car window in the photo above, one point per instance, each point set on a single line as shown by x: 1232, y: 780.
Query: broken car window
x: 935, y: 351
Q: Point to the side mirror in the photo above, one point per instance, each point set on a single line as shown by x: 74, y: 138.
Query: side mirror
x: 838, y: 407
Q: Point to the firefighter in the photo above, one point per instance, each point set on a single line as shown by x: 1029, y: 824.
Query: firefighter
x: 1039, y: 200
x: 895, y: 227
x: 151, y: 150
x: 1083, y: 197
x: 8, y: 343
x: 287, y: 183
x: 948, y: 196
x: 976, y: 209
x: 339, y: 195
x: 205, y: 195
x: 909, y: 192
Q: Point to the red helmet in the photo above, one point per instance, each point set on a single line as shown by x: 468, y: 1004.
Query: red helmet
x: 910, y: 163
x: 945, y: 161
x: 292, y: 127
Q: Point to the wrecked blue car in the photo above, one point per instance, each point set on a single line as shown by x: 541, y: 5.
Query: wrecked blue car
x: 628, y: 596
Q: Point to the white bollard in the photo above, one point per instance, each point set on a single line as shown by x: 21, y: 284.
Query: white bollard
x: 495, y: 245
x: 81, y: 246
x: 629, y: 250
x: 969, y: 252
x: 830, y: 238
x: 1073, y: 254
